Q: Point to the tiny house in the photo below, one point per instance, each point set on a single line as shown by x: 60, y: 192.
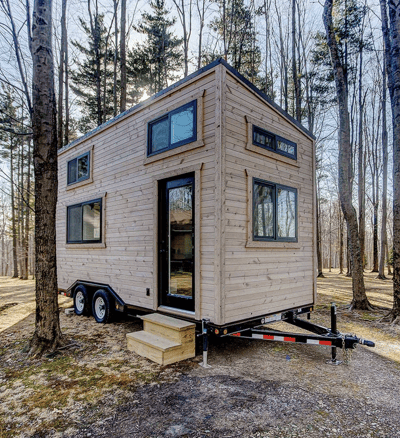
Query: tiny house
x: 196, y: 203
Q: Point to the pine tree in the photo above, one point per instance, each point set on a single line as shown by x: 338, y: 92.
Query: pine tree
x: 235, y: 26
x: 154, y: 64
x: 92, y: 82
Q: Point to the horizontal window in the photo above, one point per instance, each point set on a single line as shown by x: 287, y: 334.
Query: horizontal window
x: 274, y: 142
x: 176, y: 128
x: 79, y: 168
x: 84, y: 222
x: 274, y: 211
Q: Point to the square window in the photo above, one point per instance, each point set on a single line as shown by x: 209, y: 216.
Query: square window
x: 84, y: 222
x: 79, y: 168
x: 176, y: 128
x: 274, y: 212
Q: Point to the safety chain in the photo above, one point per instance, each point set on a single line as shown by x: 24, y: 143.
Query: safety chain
x: 347, y: 352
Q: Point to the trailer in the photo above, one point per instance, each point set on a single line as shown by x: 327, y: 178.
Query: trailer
x: 196, y: 204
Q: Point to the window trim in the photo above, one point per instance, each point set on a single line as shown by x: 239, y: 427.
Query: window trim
x: 274, y: 140
x: 86, y: 177
x: 86, y: 242
x: 168, y: 115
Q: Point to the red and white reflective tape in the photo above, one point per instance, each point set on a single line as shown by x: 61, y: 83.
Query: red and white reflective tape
x: 316, y: 342
x: 286, y: 339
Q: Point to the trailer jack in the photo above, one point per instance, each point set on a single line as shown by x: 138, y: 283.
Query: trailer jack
x: 320, y: 335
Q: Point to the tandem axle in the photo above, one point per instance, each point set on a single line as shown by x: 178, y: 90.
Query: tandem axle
x: 319, y: 335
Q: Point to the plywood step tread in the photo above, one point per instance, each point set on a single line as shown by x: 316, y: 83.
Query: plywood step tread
x: 151, y: 340
x: 167, y: 321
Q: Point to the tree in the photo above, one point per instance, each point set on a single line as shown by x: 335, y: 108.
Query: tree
x: 156, y: 62
x: 391, y: 36
x: 235, y: 25
x: 122, y: 51
x: 93, y: 80
x: 360, y: 300
x: 47, y: 333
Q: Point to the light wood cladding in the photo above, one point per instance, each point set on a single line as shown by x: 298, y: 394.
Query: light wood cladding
x: 235, y: 277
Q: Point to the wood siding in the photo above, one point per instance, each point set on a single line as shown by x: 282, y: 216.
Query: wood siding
x: 120, y: 170
x: 263, y: 277
x: 236, y: 278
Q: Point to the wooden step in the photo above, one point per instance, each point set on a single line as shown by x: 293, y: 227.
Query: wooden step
x: 160, y: 349
x: 171, y: 328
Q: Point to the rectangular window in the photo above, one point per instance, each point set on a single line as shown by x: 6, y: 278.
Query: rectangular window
x: 274, y: 142
x: 176, y: 128
x: 84, y: 222
x: 274, y: 211
x: 79, y: 168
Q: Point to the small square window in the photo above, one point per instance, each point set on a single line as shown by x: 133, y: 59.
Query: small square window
x: 174, y: 129
x: 274, y: 212
x: 79, y: 168
x: 84, y: 222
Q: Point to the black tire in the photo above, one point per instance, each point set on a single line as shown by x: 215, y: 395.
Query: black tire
x: 102, y: 306
x: 82, y: 301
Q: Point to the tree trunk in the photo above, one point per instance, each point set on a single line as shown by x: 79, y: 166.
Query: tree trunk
x: 319, y: 256
x: 115, y: 57
x: 392, y: 60
x: 381, y: 274
x: 122, y: 42
x: 361, y: 170
x: 61, y: 74
x: 360, y: 300
x: 13, y: 222
x: 297, y: 111
x: 341, y: 243
x: 47, y: 334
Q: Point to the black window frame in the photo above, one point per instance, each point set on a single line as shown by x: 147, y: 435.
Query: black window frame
x: 275, y: 187
x: 274, y: 139
x: 82, y: 204
x: 82, y: 178
x: 168, y: 116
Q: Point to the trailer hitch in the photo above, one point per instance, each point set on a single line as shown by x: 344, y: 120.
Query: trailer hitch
x: 319, y: 335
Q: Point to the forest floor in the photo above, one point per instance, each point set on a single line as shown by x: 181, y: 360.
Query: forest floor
x: 97, y: 388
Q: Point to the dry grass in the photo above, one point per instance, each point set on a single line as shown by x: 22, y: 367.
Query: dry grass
x: 85, y: 384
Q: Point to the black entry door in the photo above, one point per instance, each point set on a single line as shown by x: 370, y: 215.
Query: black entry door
x: 176, y: 243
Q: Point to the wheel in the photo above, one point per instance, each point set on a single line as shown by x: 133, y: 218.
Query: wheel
x: 102, y: 306
x: 81, y: 301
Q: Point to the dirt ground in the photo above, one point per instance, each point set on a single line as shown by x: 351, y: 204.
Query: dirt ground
x: 97, y: 388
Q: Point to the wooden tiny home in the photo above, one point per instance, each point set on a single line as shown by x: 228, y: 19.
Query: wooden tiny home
x: 198, y: 202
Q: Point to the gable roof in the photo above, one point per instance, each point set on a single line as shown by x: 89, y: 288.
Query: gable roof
x: 183, y: 81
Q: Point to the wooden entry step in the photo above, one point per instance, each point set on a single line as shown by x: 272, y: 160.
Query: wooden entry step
x: 164, y: 340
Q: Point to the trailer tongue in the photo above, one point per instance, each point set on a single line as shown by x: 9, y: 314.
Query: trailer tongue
x: 319, y: 335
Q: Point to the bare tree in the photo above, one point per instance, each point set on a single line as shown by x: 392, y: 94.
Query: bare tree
x: 122, y: 50
x: 44, y: 124
x: 381, y: 274
x: 360, y: 300
x: 61, y: 71
x: 185, y: 17
x: 391, y: 36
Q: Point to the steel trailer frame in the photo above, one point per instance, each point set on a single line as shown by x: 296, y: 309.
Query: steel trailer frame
x: 321, y: 335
